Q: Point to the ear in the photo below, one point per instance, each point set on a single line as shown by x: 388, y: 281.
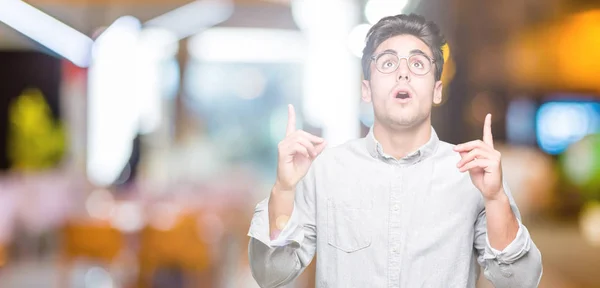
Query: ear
x: 437, y: 93
x: 366, y: 91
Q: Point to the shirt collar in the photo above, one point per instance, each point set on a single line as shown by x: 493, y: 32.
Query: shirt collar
x: 376, y: 150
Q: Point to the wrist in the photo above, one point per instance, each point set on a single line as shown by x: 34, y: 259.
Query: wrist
x: 279, y: 188
x: 497, y: 198
x: 281, y: 195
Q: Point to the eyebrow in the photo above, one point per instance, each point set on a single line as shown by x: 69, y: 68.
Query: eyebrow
x: 417, y: 51
x: 412, y: 52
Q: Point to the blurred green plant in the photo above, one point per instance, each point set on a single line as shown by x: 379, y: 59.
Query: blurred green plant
x: 581, y: 165
x: 35, y: 140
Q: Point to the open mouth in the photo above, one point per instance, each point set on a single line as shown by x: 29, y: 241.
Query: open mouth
x: 402, y: 95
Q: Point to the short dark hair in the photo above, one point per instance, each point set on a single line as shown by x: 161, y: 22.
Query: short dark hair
x: 403, y: 24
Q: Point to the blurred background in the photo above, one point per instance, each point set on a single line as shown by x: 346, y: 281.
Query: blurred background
x: 136, y: 136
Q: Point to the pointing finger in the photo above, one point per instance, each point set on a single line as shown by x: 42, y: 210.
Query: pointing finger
x: 291, y: 125
x: 487, y: 131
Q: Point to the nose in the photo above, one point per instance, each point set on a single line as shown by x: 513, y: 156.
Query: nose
x: 403, y: 71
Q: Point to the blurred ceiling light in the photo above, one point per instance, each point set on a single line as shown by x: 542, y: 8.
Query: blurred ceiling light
x: 302, y: 11
x: 125, y: 82
x: 125, y: 29
x: 317, y: 16
x: 194, y: 17
x: 159, y: 43
x: 356, y: 39
x: 248, y: 45
x: 156, y: 46
x: 46, y: 30
x: 328, y: 101
x: 377, y: 9
x: 113, y: 118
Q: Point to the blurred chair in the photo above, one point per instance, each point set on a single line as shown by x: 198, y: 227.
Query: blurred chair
x: 3, y: 255
x: 97, y: 241
x: 178, y: 248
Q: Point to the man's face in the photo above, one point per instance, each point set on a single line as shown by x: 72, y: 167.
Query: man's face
x: 402, y: 99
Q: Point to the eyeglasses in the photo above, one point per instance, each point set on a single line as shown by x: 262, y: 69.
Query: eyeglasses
x: 388, y: 62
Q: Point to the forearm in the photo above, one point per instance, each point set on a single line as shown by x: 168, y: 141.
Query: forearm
x: 281, y: 206
x: 507, y: 252
x: 502, y: 225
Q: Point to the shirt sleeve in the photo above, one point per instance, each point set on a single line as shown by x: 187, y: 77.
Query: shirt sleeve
x: 277, y: 262
x: 520, y: 245
x: 517, y: 265
x: 259, y: 227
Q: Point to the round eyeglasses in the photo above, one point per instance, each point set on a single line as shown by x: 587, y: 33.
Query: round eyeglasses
x: 387, y: 62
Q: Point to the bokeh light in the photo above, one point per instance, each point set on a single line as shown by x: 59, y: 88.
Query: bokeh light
x: 560, y: 124
x: 581, y: 165
x: 377, y: 9
x: 590, y: 223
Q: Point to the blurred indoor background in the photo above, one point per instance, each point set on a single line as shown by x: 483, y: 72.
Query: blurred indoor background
x: 136, y: 136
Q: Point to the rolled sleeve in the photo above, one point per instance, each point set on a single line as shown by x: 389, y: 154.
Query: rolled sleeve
x: 259, y: 228
x: 514, y: 251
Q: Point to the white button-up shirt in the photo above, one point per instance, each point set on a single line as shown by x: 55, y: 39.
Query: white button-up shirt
x: 376, y: 221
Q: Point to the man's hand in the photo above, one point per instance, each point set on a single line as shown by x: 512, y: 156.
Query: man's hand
x: 296, y: 152
x: 483, y: 163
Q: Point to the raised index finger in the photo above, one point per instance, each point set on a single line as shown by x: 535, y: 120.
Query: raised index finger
x: 291, y: 125
x: 487, y: 131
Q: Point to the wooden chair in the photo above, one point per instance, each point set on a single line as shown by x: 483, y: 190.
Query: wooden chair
x: 179, y: 246
x: 89, y: 240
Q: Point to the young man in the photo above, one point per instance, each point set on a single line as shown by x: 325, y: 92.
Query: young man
x: 398, y: 208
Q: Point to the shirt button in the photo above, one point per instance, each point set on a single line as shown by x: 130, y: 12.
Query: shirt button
x: 396, y: 207
x: 395, y: 249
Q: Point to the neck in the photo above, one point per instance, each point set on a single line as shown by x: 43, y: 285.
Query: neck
x: 399, y: 142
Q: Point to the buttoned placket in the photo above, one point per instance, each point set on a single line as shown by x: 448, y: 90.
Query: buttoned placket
x: 398, y: 213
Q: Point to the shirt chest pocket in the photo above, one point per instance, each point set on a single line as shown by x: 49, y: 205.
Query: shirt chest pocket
x: 348, y: 222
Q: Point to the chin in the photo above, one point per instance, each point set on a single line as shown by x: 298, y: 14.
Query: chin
x: 404, y: 118
x: 406, y: 121
x: 403, y: 124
